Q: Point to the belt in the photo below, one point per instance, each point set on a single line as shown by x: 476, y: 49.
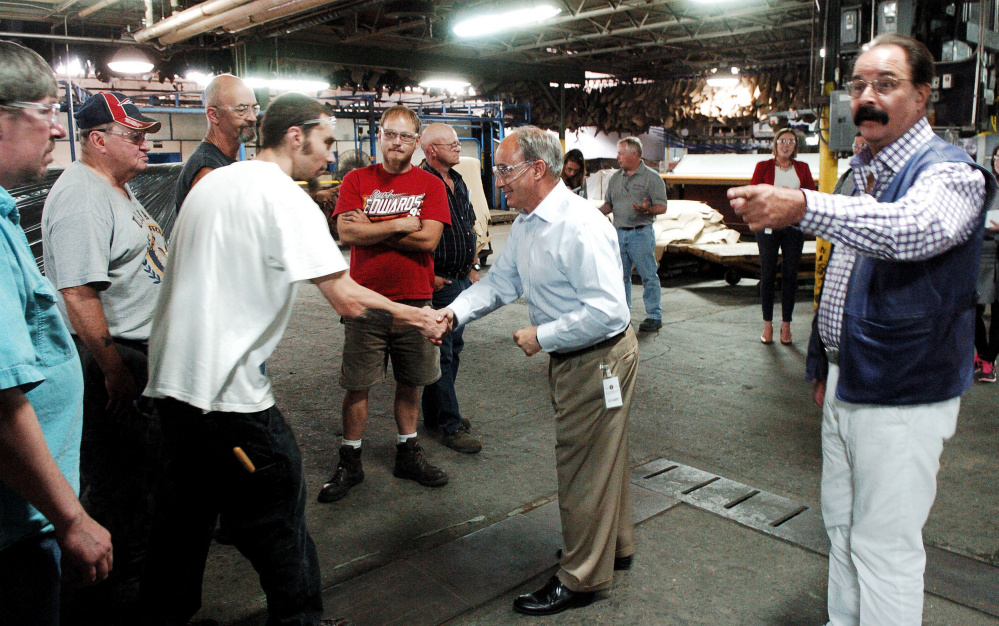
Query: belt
x: 632, y: 227
x: 832, y: 355
x: 450, y: 276
x: 606, y: 343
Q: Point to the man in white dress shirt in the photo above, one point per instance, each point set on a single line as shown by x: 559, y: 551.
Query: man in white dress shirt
x: 562, y: 256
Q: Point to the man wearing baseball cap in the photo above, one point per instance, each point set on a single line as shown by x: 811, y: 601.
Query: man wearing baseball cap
x: 105, y: 255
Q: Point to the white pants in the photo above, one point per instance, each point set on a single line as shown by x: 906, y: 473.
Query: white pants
x: 879, y: 470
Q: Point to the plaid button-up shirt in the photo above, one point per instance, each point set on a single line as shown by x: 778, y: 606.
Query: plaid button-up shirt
x: 938, y: 212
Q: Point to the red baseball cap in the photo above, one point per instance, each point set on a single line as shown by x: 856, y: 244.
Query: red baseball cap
x: 111, y: 106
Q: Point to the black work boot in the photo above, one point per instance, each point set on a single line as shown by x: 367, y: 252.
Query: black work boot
x: 410, y: 463
x: 348, y: 473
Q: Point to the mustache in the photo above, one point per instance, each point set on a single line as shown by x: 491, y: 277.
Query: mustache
x: 868, y: 112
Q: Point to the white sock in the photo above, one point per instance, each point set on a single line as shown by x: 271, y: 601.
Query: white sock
x: 404, y: 438
x: 351, y: 443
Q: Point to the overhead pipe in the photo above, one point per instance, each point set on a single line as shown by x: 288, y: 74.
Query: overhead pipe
x: 242, y: 11
x: 69, y: 38
x: 293, y: 8
x: 195, y: 13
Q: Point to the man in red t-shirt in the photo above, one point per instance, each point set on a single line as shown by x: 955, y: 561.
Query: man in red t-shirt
x: 392, y: 215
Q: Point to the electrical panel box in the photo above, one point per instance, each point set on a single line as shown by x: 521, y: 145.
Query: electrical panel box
x: 895, y: 16
x: 849, y: 28
x: 841, y: 127
x: 953, y: 101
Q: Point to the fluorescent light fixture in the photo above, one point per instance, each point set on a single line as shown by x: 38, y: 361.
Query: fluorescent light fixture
x: 74, y: 68
x: 200, y: 78
x: 482, y: 24
x: 130, y: 60
x: 286, y: 84
x: 725, y: 79
x: 445, y: 84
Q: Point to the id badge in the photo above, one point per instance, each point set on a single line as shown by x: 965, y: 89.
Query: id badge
x: 612, y: 393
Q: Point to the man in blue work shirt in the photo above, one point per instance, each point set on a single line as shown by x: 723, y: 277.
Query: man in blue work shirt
x: 41, y: 384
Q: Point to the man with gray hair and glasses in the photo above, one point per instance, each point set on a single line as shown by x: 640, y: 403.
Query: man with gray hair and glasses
x: 562, y: 257
x: 41, y: 385
x: 106, y: 255
x: 231, y: 109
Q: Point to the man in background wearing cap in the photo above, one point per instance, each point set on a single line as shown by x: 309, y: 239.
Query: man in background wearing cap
x: 231, y: 109
x: 41, y: 387
x: 106, y: 255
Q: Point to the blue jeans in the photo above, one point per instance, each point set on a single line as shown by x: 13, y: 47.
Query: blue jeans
x: 440, y: 401
x: 263, y: 512
x: 638, y: 248
x: 29, y: 581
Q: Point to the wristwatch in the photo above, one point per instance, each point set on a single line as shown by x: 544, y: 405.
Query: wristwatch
x: 477, y: 267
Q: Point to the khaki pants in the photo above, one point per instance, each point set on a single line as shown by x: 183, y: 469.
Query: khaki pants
x: 591, y: 456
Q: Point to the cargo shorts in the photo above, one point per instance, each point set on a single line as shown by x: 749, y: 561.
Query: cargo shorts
x: 368, y: 346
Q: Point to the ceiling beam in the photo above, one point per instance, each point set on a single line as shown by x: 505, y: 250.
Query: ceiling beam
x: 605, y: 31
x: 416, y: 61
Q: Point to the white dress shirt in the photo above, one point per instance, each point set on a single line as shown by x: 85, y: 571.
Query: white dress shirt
x: 564, y: 259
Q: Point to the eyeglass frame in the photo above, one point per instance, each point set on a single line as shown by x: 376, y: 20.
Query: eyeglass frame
x: 406, y: 138
x: 787, y: 142
x: 510, y: 169
x: 54, y: 109
x: 453, y: 146
x: 893, y: 81
x: 239, y: 109
x: 316, y: 121
x: 125, y: 136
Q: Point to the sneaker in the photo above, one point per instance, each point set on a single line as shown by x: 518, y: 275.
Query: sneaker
x: 347, y: 474
x: 978, y: 363
x: 988, y: 373
x: 650, y: 325
x: 462, y: 441
x: 412, y: 464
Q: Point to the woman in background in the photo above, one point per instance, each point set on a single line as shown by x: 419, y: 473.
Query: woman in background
x: 987, y: 342
x: 574, y: 172
x: 781, y: 171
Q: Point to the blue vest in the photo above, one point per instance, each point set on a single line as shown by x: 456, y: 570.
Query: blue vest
x: 908, y: 327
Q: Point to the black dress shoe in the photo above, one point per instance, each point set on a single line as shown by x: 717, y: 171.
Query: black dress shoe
x: 553, y: 598
x: 621, y: 563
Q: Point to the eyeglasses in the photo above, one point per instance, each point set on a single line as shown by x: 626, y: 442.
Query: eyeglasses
x: 137, y: 137
x: 391, y: 135
x: 319, y: 120
x: 786, y: 142
x: 881, y: 86
x: 241, y: 109
x: 51, y: 109
x: 452, y: 146
x: 504, y: 171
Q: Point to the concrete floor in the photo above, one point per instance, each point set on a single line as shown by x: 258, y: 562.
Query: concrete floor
x: 709, y: 396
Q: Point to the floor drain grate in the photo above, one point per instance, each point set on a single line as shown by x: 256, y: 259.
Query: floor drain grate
x: 949, y: 575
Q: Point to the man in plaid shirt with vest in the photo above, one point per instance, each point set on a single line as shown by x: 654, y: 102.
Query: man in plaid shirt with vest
x: 893, y: 337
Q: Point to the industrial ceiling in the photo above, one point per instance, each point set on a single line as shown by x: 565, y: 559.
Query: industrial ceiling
x: 629, y: 39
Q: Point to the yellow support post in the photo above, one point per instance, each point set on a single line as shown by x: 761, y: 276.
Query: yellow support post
x: 827, y: 182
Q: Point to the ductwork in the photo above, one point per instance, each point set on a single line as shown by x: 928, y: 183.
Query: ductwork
x: 195, y: 13
x: 257, y: 9
x: 293, y: 8
x: 237, y: 17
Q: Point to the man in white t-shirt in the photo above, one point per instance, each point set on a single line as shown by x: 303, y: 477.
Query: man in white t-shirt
x: 246, y: 236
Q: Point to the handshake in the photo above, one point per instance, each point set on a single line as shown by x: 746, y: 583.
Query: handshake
x: 435, y: 324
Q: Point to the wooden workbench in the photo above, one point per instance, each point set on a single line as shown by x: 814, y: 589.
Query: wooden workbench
x: 741, y: 259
